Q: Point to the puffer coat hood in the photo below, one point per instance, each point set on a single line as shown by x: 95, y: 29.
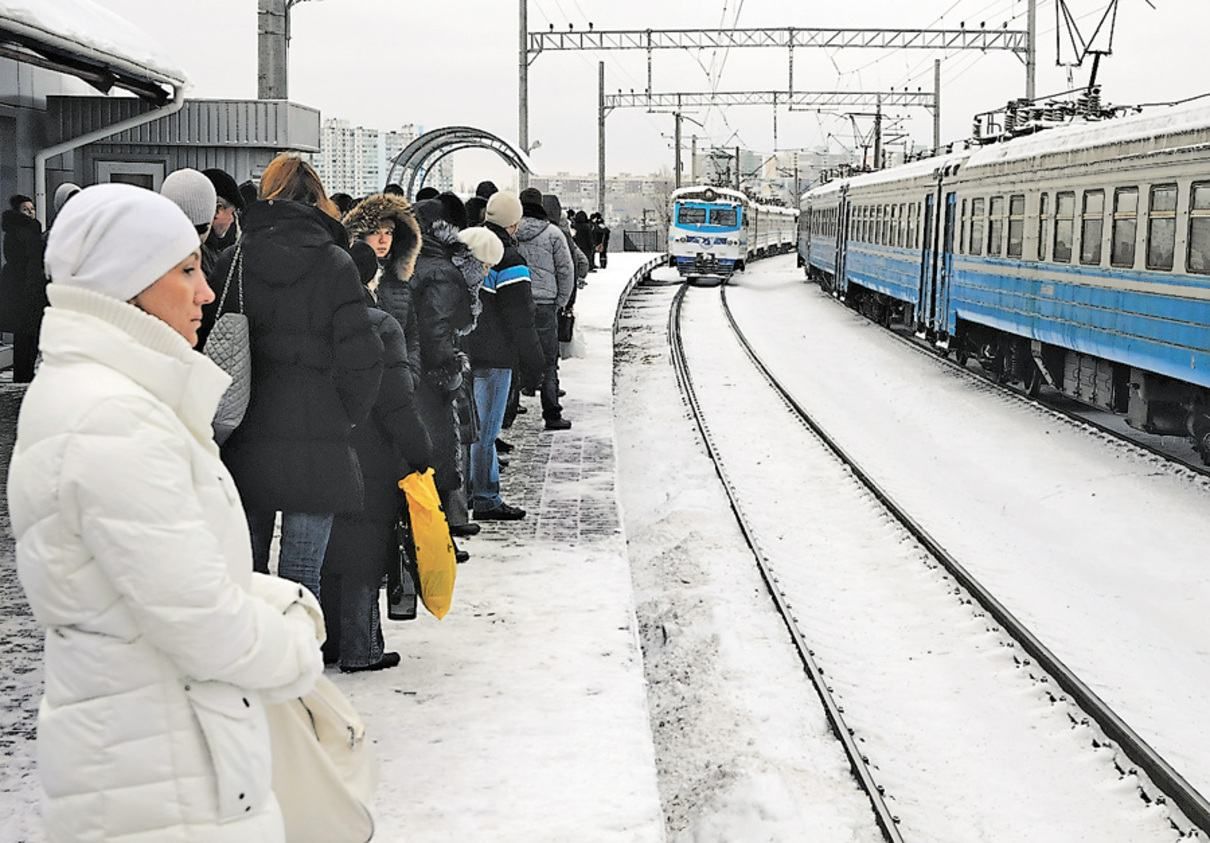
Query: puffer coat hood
x: 370, y: 213
x: 162, y: 646
x: 551, y: 269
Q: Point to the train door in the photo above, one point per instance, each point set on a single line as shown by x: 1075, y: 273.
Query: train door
x: 928, y: 263
x: 842, y: 243
x: 945, y: 267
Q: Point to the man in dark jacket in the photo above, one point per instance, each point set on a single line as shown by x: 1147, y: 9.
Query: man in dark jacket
x: 22, y: 284
x: 553, y: 278
x: 391, y: 444
x: 504, y: 336
x: 583, y: 234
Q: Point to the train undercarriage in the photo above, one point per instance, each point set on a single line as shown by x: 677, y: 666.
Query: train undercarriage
x: 1150, y: 402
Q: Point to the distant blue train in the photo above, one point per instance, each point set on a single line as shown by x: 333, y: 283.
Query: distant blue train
x: 1078, y: 256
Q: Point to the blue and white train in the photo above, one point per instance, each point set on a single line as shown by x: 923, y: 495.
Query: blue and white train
x: 1077, y: 256
x: 714, y: 231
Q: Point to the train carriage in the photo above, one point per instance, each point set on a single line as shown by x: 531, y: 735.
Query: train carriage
x: 1078, y: 256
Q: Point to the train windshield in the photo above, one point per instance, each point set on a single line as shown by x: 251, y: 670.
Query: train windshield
x: 691, y: 216
x: 723, y: 217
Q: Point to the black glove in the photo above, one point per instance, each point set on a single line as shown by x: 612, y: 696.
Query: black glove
x: 418, y: 452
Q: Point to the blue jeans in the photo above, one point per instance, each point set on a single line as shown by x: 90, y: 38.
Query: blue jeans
x: 304, y: 540
x: 491, y: 396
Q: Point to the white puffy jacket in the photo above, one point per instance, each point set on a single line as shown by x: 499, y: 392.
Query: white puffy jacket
x: 133, y: 551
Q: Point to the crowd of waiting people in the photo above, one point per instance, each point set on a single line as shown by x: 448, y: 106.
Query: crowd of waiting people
x: 386, y: 337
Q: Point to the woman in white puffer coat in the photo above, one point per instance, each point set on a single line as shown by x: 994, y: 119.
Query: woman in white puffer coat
x: 162, y: 646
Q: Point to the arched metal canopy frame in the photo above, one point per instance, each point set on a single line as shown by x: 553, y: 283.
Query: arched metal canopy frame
x: 416, y: 160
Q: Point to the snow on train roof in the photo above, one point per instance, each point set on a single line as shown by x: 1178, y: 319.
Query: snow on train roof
x: 1139, y: 127
x: 911, y: 170
x: 84, y: 29
x: 727, y: 193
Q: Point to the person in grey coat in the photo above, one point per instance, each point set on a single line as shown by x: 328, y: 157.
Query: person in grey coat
x: 553, y: 275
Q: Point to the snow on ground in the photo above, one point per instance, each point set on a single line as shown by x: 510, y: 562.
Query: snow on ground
x: 520, y: 717
x: 743, y: 746
x: 965, y: 741
x: 1098, y: 549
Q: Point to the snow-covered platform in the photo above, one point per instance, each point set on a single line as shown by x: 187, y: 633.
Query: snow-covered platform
x: 521, y: 716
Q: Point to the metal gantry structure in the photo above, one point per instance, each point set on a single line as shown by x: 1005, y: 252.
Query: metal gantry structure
x: 1022, y: 43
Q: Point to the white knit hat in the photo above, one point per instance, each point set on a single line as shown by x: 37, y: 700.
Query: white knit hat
x: 504, y: 209
x: 117, y: 240
x: 64, y: 192
x: 193, y: 193
x: 484, y: 245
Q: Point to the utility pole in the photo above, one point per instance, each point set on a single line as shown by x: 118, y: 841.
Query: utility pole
x: 272, y: 54
x: 600, y: 137
x: 738, y: 183
x: 797, y: 185
x: 677, y: 143
x: 693, y: 161
x: 1031, y: 50
x: 523, y: 88
x: 937, y: 105
x: 878, y: 135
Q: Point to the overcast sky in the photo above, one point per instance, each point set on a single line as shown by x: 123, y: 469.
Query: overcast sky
x: 381, y: 63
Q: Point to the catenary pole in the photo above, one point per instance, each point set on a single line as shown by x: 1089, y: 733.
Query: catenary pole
x: 936, y: 106
x: 1031, y: 51
x: 677, y: 142
x: 878, y: 135
x: 693, y: 161
x: 523, y: 87
x: 601, y: 138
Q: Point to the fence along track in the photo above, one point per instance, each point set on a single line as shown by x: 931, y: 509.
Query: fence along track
x: 887, y: 822
x: 1166, y: 778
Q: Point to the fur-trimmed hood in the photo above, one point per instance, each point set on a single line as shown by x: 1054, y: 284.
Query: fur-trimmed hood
x: 368, y: 214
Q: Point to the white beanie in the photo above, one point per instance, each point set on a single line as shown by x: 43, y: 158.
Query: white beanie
x: 484, y: 245
x: 193, y: 193
x: 117, y: 240
x: 504, y: 209
x: 64, y: 192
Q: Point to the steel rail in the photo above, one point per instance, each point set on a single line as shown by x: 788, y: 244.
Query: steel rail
x: 1164, y: 775
x: 887, y: 822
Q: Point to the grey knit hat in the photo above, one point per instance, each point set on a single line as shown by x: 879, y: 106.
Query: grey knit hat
x: 193, y: 193
x: 64, y: 192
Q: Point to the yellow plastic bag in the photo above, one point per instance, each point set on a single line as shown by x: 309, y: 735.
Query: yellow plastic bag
x: 431, y: 535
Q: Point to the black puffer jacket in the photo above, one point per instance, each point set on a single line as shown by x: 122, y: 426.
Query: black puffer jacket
x: 394, y: 291
x: 505, y: 335
x: 442, y: 297
x: 22, y: 281
x: 393, y: 443
x: 316, y: 362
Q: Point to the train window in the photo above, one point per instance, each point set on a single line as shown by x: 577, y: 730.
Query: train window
x: 911, y: 232
x: 901, y: 236
x: 1016, y: 225
x: 976, y: 239
x: 1065, y: 213
x: 1199, y: 229
x: 1125, y: 225
x: 1043, y: 224
x: 995, y: 226
x: 691, y: 216
x: 722, y: 216
x: 1161, y: 227
x: 1092, y: 227
x: 963, y: 226
x: 897, y: 225
x: 886, y: 225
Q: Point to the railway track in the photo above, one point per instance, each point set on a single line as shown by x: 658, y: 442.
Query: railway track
x: 1166, y: 780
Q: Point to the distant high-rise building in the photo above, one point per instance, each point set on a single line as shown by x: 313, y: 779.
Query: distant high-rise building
x: 348, y: 160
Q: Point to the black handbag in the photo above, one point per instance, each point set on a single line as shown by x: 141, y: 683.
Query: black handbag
x: 403, y: 575
x: 567, y: 325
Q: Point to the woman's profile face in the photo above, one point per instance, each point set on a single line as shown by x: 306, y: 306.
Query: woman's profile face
x: 176, y: 298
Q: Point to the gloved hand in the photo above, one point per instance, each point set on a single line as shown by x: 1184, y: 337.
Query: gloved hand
x: 418, y: 452
x: 581, y: 283
x: 464, y: 362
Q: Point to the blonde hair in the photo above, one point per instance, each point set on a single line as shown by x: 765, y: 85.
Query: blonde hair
x: 290, y: 177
